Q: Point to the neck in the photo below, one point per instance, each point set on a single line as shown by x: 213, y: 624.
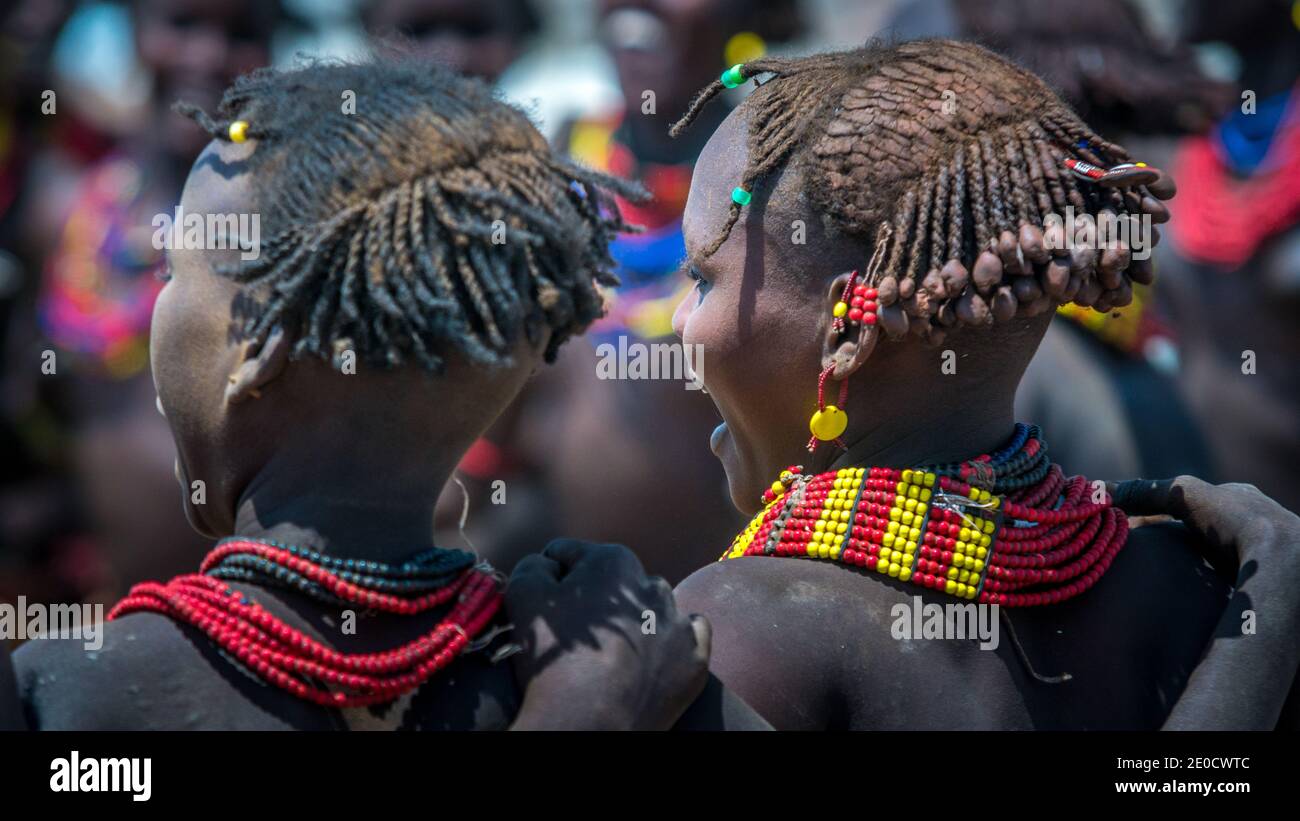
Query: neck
x: 927, y: 437
x: 377, y: 513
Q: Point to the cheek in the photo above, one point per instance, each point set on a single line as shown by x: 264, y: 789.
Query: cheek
x: 187, y: 353
x: 749, y: 344
x: 161, y: 334
x: 709, y: 324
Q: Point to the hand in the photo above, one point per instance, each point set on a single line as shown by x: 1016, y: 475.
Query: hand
x: 1244, y: 678
x: 1237, y: 523
x: 603, y: 644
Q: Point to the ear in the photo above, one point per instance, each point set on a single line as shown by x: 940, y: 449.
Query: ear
x: 846, y: 350
x: 261, y: 364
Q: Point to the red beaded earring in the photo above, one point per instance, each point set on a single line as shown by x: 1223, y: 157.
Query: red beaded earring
x: 861, y: 306
x: 857, y: 304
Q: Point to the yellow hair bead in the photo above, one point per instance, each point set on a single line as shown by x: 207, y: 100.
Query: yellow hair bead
x: 840, y: 309
x: 239, y: 132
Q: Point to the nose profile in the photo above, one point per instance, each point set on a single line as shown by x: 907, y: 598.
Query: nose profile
x: 683, y: 313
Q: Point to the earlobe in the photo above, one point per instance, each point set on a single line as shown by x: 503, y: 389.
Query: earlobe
x: 260, y: 366
x: 850, y: 353
x: 846, y: 345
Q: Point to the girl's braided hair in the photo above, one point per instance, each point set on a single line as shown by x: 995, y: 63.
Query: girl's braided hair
x: 429, y: 214
x: 949, y: 159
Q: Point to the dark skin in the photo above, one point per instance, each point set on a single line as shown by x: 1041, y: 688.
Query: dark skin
x: 1253, y: 541
x: 762, y: 314
x: 351, y: 465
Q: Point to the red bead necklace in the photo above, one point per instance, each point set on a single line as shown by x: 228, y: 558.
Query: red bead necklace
x: 1034, y: 538
x: 297, y: 663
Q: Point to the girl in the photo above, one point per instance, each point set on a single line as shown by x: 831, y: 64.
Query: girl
x: 924, y: 178
x: 415, y: 261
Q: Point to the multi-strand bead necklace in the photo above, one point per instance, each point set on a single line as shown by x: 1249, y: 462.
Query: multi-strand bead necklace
x: 297, y: 663
x: 1006, y: 528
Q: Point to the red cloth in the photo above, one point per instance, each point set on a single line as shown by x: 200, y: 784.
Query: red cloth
x: 1220, y: 219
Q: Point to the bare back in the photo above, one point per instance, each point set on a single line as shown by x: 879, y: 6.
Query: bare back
x: 811, y: 645
x: 153, y: 673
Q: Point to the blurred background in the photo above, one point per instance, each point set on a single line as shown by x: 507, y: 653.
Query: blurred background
x: 1199, y: 375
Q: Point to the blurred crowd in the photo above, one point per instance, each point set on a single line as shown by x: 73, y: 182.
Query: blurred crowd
x: 90, y: 151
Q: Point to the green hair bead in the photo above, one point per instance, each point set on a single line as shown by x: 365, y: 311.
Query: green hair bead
x: 740, y: 196
x: 732, y: 77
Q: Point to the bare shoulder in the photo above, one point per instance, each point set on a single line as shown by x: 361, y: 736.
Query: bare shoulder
x: 780, y: 639
x: 142, y: 671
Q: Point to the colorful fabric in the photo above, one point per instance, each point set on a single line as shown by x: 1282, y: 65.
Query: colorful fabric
x: 101, y: 280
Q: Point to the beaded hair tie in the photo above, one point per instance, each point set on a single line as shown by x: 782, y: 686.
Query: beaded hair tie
x: 734, y: 77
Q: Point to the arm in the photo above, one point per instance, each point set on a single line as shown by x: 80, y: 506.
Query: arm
x: 1258, y: 541
x: 604, y: 647
x: 11, y: 706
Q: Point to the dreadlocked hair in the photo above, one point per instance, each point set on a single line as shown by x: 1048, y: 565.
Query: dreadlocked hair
x: 951, y: 162
x: 430, y: 214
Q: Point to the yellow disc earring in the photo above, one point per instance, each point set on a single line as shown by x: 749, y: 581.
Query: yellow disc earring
x: 828, y: 422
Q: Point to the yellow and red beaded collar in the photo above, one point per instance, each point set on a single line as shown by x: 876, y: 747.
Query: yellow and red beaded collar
x: 1034, y: 538
x: 831, y: 514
